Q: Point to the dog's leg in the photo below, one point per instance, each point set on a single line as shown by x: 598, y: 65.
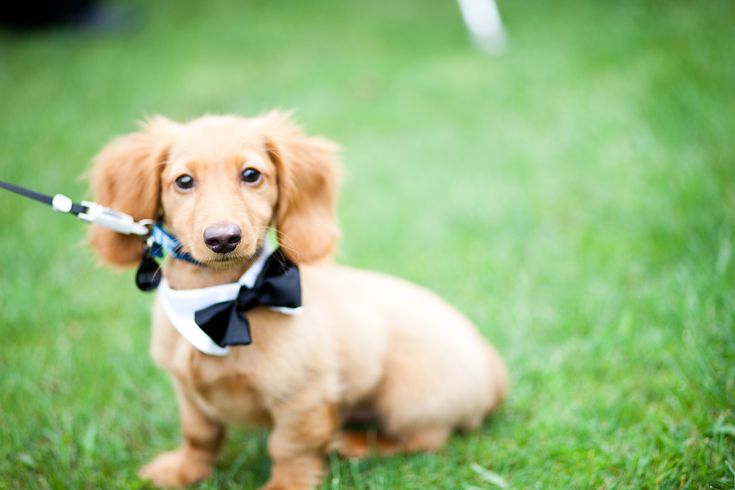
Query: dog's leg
x: 426, y: 440
x: 358, y: 445
x: 301, y: 434
x: 192, y: 461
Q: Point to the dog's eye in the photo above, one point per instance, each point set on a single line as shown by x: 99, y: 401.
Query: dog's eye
x: 250, y: 176
x: 184, y: 182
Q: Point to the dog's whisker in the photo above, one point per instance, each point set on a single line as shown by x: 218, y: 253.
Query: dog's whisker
x: 280, y: 235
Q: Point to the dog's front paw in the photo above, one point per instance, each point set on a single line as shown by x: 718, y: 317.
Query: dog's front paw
x: 175, y: 469
x: 303, y: 472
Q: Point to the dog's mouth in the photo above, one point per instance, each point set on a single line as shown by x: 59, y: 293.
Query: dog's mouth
x: 225, y: 260
x: 229, y: 260
x: 243, y: 254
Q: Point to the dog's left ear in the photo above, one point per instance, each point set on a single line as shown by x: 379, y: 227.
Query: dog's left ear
x: 308, y: 182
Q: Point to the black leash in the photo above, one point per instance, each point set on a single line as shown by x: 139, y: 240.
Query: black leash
x: 90, y: 212
x: 156, y: 238
x: 74, y: 208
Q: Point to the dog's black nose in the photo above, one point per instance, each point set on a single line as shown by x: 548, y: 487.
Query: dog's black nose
x: 222, y: 238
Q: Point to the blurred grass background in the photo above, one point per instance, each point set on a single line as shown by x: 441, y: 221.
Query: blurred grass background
x: 575, y: 197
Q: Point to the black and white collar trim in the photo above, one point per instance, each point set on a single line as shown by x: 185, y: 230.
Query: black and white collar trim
x: 180, y: 305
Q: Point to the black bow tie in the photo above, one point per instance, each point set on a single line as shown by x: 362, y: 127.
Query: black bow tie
x: 277, y: 284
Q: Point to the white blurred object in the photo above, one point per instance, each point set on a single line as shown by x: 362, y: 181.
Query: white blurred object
x: 483, y: 21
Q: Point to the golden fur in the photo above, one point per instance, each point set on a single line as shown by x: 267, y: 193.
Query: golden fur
x: 365, y: 343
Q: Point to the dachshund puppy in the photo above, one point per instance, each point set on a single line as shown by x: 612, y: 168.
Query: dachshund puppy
x: 361, y: 344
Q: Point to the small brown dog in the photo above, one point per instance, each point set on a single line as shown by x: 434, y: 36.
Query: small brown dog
x: 364, y: 343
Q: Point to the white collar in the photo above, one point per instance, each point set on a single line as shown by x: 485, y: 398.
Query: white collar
x: 181, y: 304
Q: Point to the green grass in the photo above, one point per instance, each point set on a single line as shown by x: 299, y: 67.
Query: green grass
x: 575, y: 197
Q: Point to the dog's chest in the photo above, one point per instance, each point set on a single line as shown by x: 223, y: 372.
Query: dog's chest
x: 220, y: 386
x: 224, y: 393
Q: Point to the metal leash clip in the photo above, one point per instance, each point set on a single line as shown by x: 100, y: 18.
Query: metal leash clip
x: 91, y: 212
x: 114, y: 220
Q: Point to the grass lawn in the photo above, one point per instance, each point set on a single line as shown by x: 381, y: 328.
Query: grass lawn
x: 575, y: 197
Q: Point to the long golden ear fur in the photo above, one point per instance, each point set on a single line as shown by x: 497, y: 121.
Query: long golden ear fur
x: 308, y: 181
x: 126, y: 177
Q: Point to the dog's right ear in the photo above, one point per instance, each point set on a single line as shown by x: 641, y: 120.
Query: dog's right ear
x: 126, y: 177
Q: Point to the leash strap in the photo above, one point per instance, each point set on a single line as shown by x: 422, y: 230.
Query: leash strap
x: 86, y: 211
x: 158, y: 239
x: 59, y: 202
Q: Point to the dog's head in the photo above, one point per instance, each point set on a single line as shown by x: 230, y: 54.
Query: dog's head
x: 219, y: 183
